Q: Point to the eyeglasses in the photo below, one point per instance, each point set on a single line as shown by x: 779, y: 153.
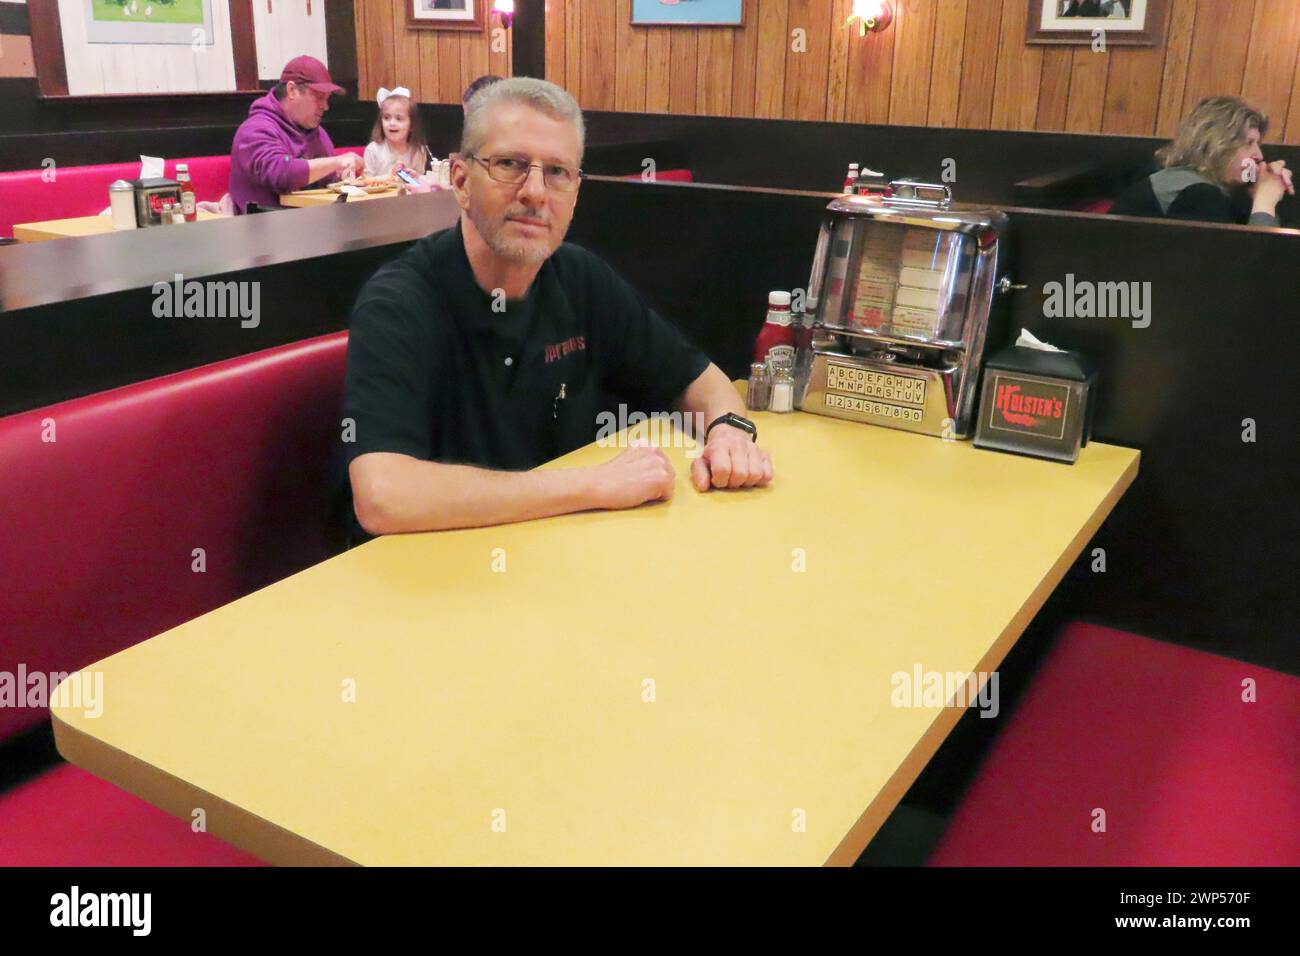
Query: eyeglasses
x: 514, y: 170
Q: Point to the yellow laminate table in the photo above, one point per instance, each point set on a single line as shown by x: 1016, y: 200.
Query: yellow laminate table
x: 323, y: 197
x: 77, y: 227
x: 703, y: 681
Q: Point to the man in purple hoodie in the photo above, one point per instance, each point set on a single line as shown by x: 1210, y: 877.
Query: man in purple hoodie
x: 281, y: 146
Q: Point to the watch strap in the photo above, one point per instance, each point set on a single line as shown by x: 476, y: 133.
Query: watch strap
x: 736, y: 421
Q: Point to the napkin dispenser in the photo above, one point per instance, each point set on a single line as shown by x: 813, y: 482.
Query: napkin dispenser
x: 901, y: 300
x: 1037, y: 402
x: 150, y: 194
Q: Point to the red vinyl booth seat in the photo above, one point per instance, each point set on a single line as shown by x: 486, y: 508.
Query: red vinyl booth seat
x: 101, y: 530
x: 1159, y: 738
x: 67, y: 817
x: 229, y: 458
x: 83, y: 190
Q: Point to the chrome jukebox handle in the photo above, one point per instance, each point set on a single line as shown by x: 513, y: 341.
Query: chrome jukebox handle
x: 909, y: 192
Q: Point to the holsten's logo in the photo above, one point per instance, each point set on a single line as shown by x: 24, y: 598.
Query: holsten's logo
x: 1030, y: 411
x: 1024, y: 405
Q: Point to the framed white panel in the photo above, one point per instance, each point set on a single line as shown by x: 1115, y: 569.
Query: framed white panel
x: 125, y: 68
x: 285, y: 29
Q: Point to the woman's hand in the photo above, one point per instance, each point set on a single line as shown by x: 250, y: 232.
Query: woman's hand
x: 1272, y: 182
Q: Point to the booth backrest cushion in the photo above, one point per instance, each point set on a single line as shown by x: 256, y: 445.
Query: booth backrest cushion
x: 62, y: 192
x: 159, y: 501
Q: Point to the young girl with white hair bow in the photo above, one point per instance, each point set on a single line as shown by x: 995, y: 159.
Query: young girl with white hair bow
x: 397, y: 137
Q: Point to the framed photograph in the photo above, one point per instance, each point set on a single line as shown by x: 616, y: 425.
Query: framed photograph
x: 183, y: 22
x: 446, y: 14
x: 1125, y: 22
x: 77, y: 47
x: 688, y: 13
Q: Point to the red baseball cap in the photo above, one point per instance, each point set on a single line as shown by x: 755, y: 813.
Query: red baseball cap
x: 309, y: 71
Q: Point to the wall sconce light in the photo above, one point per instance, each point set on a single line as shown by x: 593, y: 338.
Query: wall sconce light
x: 505, y: 9
x: 871, y: 15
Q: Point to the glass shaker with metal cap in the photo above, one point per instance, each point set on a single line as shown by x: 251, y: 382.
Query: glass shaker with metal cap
x: 121, y: 201
x: 759, y: 392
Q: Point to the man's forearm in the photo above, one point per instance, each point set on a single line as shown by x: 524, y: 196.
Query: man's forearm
x: 401, y: 494
x: 711, y: 395
x: 321, y: 167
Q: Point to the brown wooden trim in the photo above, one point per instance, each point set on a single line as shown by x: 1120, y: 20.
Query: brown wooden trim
x: 1152, y: 35
x: 243, y: 45
x: 477, y: 24
x: 47, y: 47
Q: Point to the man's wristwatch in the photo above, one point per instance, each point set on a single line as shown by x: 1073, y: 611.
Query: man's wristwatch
x: 735, y: 421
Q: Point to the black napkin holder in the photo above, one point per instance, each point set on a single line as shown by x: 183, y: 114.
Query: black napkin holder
x: 1035, y: 402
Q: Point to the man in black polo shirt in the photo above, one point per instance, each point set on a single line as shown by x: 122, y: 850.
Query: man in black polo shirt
x: 491, y: 347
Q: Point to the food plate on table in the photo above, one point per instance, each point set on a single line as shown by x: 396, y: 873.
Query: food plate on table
x: 370, y: 185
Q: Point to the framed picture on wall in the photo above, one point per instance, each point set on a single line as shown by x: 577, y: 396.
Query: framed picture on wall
x: 446, y: 14
x: 688, y: 13
x: 1124, y: 22
x: 93, y: 48
x: 184, y: 22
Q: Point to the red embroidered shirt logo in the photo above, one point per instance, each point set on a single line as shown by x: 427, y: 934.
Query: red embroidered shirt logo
x: 559, y: 350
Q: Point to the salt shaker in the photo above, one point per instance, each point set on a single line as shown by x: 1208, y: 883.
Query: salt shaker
x: 782, y: 391
x: 121, y: 201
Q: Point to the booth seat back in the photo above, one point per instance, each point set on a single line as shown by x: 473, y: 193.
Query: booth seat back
x: 62, y: 192
x: 131, y: 511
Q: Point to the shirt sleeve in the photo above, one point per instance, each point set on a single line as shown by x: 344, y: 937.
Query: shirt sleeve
x: 646, y: 357
x: 269, y: 163
x: 388, y: 391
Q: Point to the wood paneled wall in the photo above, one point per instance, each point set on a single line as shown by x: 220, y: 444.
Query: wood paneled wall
x: 941, y: 63
x: 435, y: 65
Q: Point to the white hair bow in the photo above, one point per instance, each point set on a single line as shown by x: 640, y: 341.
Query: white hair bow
x: 384, y: 94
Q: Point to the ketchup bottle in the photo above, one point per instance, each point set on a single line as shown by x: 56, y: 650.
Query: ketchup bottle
x: 775, y: 343
x: 188, y: 205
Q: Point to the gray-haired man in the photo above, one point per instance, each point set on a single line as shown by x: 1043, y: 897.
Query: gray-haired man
x: 454, y: 400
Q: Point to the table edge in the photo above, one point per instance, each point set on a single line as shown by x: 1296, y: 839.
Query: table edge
x: 264, y: 839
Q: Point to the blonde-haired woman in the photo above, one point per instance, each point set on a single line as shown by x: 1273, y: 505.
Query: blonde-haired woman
x: 1215, y: 155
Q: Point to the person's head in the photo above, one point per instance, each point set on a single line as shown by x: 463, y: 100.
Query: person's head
x: 1219, y: 139
x: 517, y: 175
x: 482, y: 82
x: 398, y: 122
x: 304, y: 91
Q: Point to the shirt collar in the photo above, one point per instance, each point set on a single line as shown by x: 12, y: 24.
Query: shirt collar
x: 472, y: 306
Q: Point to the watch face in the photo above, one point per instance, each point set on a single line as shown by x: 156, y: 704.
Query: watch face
x: 736, y: 421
